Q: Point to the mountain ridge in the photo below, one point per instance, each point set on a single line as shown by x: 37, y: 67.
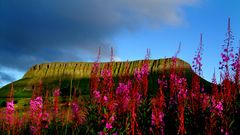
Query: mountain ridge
x: 54, y: 73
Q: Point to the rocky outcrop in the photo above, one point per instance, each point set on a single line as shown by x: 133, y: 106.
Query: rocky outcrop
x: 83, y: 69
x: 77, y: 74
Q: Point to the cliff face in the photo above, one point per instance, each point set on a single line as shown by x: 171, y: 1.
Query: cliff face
x: 77, y: 74
x: 83, y: 69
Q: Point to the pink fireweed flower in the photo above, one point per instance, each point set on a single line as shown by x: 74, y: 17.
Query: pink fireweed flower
x: 96, y: 94
x: 105, y: 98
x: 102, y: 133
x: 172, y: 76
x: 197, y: 60
x: 122, y: 96
x: 162, y: 82
x: 45, y: 119
x: 103, y: 121
x: 33, y: 130
x: 10, y: 112
x: 10, y: 106
x: 236, y: 64
x: 112, y: 119
x: 106, y: 73
x: 157, y: 119
x: 219, y: 106
x: 182, y: 93
x: 56, y: 93
x: 122, y: 89
x: 36, y: 105
x: 75, y: 110
x: 145, y: 69
x: 140, y: 73
x: 137, y: 75
x: 202, y: 89
x: 138, y: 97
x: 153, y: 119
x: 108, y: 125
x: 227, y: 54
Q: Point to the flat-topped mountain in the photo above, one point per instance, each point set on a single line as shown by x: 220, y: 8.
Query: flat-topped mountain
x: 77, y: 75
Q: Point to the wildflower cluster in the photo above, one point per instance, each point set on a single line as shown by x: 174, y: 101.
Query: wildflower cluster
x: 10, y: 113
x: 138, y: 102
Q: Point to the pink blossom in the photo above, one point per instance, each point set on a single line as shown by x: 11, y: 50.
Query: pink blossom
x: 182, y: 93
x: 36, y: 104
x: 161, y: 115
x: 33, y: 129
x: 197, y: 60
x: 112, y: 119
x: 101, y: 133
x: 108, y: 125
x: 153, y: 119
x: 105, y: 98
x: 56, y: 95
x: 138, y: 97
x: 10, y: 106
x: 122, y: 88
x: 122, y: 95
x: 56, y: 92
x: 137, y: 75
x: 45, y: 120
x: 96, y: 94
x: 180, y: 81
x: 202, y: 89
x: 75, y: 109
x: 107, y: 73
x: 219, y: 107
x: 159, y: 118
x: 140, y: 73
x: 10, y: 112
x: 102, y: 121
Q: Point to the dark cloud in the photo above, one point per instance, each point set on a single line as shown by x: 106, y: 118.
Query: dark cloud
x: 36, y: 31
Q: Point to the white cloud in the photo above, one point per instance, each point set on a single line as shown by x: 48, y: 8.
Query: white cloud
x: 117, y: 58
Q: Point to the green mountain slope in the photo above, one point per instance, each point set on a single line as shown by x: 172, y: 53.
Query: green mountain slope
x: 77, y: 74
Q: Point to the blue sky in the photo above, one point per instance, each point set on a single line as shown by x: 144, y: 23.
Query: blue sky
x: 207, y: 17
x: 47, y: 31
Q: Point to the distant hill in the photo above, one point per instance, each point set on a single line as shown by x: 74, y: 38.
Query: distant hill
x: 77, y: 74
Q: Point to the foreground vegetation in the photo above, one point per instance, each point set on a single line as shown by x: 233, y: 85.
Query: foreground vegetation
x: 129, y: 106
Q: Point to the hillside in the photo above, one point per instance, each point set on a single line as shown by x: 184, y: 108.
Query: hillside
x: 77, y: 74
